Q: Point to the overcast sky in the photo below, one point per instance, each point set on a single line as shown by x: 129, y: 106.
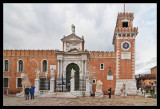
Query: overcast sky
x: 42, y: 26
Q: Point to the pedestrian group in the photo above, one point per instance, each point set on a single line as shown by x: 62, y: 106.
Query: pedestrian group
x: 29, y: 91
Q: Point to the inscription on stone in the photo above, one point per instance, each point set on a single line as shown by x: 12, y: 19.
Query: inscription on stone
x: 53, y: 67
x: 125, y: 55
x: 110, y: 77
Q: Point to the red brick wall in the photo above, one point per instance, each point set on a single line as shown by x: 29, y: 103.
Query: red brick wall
x: 29, y: 57
x: 125, y: 65
x: 154, y: 71
x: 109, y: 60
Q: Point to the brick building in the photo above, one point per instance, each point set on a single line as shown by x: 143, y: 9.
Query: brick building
x: 113, y: 68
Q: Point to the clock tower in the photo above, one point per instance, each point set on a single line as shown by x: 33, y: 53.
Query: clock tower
x: 124, y: 47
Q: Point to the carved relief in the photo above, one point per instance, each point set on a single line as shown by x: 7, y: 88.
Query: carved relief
x: 72, y: 47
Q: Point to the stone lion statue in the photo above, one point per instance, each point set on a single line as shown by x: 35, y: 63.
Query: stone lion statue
x: 123, y: 88
x: 25, y: 81
x: 99, y: 86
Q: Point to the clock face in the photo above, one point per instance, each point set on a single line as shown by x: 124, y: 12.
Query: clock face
x: 125, y: 45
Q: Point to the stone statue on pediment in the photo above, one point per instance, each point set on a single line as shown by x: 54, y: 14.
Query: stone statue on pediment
x: 37, y: 73
x: 73, y: 29
x: 52, y: 73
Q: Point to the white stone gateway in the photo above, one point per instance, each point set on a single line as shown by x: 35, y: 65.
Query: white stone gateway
x: 99, y: 92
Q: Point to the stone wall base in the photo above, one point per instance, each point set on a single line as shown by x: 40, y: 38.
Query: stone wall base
x: 130, y: 86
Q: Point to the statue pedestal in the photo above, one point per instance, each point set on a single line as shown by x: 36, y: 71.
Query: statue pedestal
x: 72, y: 85
x: 124, y: 95
x: 99, y: 94
x: 88, y: 88
x: 130, y: 86
x: 52, y: 81
x: 36, y: 86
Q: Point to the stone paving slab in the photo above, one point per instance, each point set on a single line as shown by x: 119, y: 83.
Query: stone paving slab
x: 80, y: 101
x: 59, y: 95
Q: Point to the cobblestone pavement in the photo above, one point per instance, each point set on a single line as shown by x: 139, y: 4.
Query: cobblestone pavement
x: 80, y: 101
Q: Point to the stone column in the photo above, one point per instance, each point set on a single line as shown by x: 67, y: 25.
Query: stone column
x: 82, y: 71
x: 58, y: 70
x: 85, y: 67
x: 36, y: 86
x: 52, y: 81
x: 72, y: 85
x: 61, y: 70
x: 88, y: 88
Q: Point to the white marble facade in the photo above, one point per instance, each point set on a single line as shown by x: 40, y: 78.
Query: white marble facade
x: 81, y: 61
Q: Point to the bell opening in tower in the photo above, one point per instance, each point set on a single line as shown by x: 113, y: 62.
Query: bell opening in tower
x: 125, y: 24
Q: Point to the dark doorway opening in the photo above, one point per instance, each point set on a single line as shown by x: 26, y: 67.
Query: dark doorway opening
x: 68, y: 76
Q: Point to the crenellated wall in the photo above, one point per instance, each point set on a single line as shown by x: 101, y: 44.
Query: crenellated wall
x: 32, y: 59
x: 28, y: 53
x: 102, y: 54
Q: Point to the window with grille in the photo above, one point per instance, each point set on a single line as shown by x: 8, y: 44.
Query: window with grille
x: 44, y: 65
x: 20, y: 66
x: 5, y: 82
x: 6, y: 65
x: 19, y: 80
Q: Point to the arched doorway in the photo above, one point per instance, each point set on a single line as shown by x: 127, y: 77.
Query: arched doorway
x: 68, y: 76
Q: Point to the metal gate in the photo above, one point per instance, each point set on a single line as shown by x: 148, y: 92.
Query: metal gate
x: 60, y: 85
x: 82, y: 85
x: 44, y: 84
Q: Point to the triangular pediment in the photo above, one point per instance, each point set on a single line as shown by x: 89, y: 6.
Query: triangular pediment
x: 72, y: 37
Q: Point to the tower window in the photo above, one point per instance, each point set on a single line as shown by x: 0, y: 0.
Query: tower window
x: 125, y: 24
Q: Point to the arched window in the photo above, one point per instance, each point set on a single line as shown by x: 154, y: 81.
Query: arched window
x: 44, y: 63
x: 6, y: 65
x: 20, y: 66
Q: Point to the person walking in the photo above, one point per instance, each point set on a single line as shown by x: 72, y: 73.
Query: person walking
x: 27, y: 93
x: 32, y: 92
x: 109, y: 90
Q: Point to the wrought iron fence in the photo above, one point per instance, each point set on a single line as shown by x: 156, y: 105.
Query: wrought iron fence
x: 60, y: 85
x: 44, y: 84
x: 65, y: 87
x: 82, y: 85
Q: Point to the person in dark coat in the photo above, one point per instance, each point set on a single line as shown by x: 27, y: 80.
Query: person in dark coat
x: 109, y: 90
x: 27, y: 93
x: 32, y: 92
